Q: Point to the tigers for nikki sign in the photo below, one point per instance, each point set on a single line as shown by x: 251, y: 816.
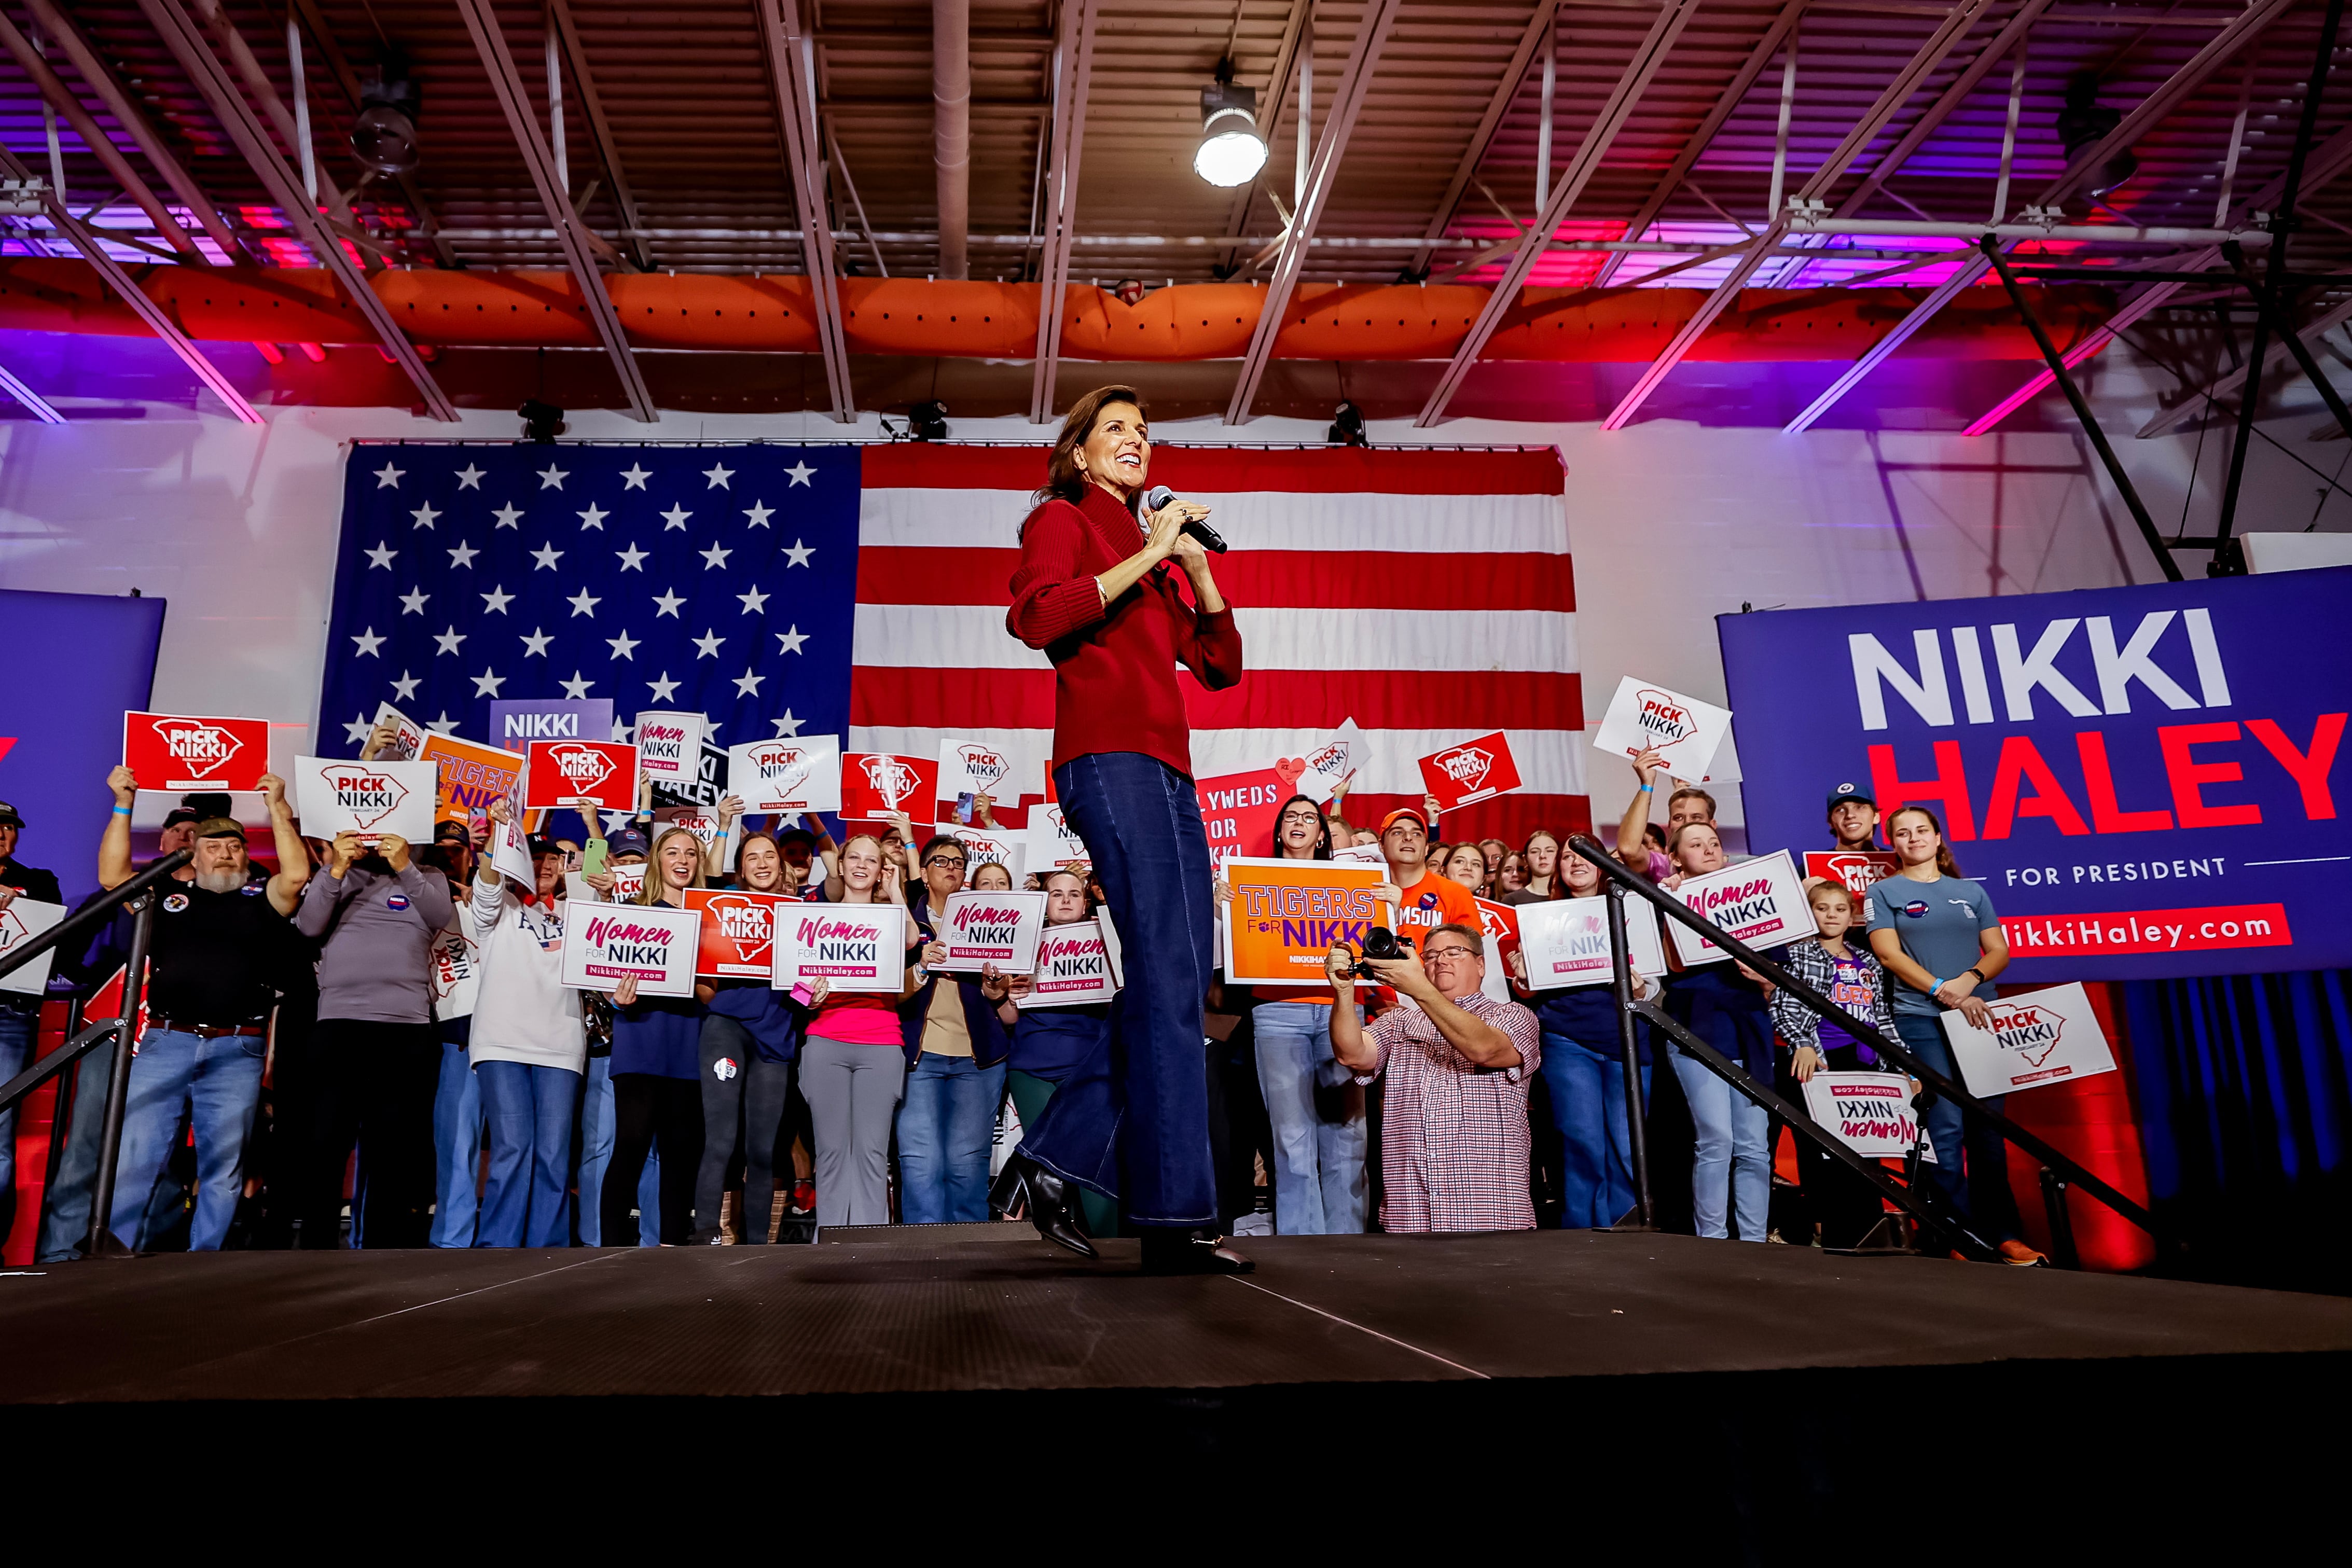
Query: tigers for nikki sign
x: 739, y: 931
x: 604, y: 943
x: 983, y: 928
x: 174, y: 751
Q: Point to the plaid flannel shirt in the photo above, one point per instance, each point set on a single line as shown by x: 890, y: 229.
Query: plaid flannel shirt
x: 1809, y: 961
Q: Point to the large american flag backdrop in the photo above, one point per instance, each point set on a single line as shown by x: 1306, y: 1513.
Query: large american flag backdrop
x: 860, y: 592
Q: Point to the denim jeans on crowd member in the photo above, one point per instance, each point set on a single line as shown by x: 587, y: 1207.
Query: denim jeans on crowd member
x: 17, y: 1028
x: 1587, y: 1089
x: 1977, y: 1185
x: 221, y: 1080
x: 746, y: 1106
x: 596, y: 1153
x: 65, y: 1202
x: 1132, y: 1120
x: 456, y: 1143
x: 527, y: 1121
x: 1730, y: 1153
x: 947, y: 1126
x: 1320, y: 1186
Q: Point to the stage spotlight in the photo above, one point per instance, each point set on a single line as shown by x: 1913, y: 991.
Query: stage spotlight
x: 1346, y: 426
x: 927, y: 422
x: 1232, y: 151
x: 2083, y: 122
x: 383, y: 132
x: 541, y: 421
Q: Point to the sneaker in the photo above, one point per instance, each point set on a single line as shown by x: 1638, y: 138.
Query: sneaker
x: 2017, y: 1255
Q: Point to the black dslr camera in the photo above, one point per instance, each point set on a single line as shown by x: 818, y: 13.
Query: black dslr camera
x: 1383, y: 945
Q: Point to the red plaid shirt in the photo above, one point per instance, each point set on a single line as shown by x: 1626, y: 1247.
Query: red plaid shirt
x: 1453, y: 1136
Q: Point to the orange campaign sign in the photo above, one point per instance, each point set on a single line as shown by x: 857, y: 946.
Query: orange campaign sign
x: 739, y: 931
x: 1285, y: 915
x: 471, y: 775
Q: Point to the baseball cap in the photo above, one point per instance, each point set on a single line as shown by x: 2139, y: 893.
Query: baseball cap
x: 540, y: 844
x: 178, y: 814
x: 1844, y: 792
x: 9, y: 816
x: 628, y: 842
x: 220, y: 827
x: 452, y: 832
x: 797, y: 836
x: 1404, y: 814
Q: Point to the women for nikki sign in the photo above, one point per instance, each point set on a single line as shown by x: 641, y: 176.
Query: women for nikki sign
x: 850, y: 947
x: 1760, y: 901
x: 1869, y: 1113
x: 1285, y: 917
x: 669, y: 747
x: 604, y: 943
x: 979, y: 929
x: 2038, y: 1038
x: 1076, y: 966
x: 1565, y: 942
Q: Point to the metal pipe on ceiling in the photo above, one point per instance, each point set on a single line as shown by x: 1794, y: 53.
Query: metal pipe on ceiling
x: 952, y: 129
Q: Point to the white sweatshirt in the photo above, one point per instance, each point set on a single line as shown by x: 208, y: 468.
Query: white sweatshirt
x: 523, y: 1012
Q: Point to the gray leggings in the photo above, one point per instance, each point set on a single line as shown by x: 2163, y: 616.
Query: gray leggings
x: 749, y: 1101
x: 853, y: 1093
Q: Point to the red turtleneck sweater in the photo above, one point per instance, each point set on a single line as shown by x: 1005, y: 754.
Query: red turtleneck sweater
x: 1114, y: 669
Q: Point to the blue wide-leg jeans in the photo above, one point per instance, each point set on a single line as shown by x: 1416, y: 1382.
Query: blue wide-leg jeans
x: 1132, y: 1120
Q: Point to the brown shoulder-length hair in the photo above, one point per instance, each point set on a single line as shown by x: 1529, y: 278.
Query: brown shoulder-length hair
x: 1063, y: 480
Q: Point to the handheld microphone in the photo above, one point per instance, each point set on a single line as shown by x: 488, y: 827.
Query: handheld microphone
x: 1211, y: 541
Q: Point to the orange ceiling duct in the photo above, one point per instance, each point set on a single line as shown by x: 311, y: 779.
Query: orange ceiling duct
x: 773, y: 314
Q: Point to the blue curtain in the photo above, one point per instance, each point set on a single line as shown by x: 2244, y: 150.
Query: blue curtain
x: 2245, y: 1099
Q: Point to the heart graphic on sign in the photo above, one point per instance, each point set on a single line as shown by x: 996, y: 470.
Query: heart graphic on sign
x: 1289, y: 769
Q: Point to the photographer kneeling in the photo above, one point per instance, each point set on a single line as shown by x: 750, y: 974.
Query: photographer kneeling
x: 1453, y: 1150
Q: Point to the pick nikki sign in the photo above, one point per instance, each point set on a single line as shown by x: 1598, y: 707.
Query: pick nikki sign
x: 1472, y: 771
x: 1645, y: 716
x: 374, y: 800
x: 971, y: 767
x: 796, y: 773
x: 176, y: 751
x: 605, y: 771
x: 1760, y: 901
x: 983, y: 928
x: 2039, y: 1037
x: 739, y: 931
x: 851, y: 947
x: 669, y: 747
x: 1855, y: 870
x: 873, y: 784
x: 1074, y: 968
x: 20, y: 923
x: 604, y: 943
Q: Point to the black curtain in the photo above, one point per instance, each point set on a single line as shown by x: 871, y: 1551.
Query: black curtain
x: 2245, y: 1097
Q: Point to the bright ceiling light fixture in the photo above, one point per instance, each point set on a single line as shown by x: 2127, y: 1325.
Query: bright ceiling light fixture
x: 1232, y: 151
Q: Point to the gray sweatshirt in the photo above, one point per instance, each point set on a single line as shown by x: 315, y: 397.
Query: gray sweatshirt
x: 379, y: 929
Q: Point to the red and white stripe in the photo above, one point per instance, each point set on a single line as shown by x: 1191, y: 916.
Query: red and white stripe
x: 1426, y: 594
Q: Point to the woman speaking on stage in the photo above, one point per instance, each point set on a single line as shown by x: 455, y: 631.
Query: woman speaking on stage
x: 1096, y: 590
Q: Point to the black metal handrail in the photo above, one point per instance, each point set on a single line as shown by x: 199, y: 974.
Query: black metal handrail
x: 101, y: 1241
x: 2063, y: 1170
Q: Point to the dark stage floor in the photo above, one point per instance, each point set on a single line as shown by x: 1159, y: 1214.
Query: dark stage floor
x: 1799, y: 1373
x: 953, y: 1308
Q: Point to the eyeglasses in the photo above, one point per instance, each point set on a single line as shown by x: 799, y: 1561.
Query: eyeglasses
x: 946, y: 860
x: 1449, y: 953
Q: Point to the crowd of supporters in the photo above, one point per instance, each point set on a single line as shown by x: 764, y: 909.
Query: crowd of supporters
x: 293, y: 1085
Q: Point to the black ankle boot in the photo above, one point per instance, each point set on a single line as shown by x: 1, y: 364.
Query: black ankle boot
x: 1023, y: 1184
x: 1190, y: 1252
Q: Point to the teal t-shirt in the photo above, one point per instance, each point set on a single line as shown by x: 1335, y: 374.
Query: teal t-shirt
x: 1937, y: 923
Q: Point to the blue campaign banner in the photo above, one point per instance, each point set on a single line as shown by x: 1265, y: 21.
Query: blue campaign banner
x: 61, y: 732
x: 2145, y: 779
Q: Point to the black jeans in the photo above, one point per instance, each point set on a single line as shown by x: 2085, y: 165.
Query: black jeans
x: 371, y: 1085
x: 742, y: 1102
x: 644, y: 1105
